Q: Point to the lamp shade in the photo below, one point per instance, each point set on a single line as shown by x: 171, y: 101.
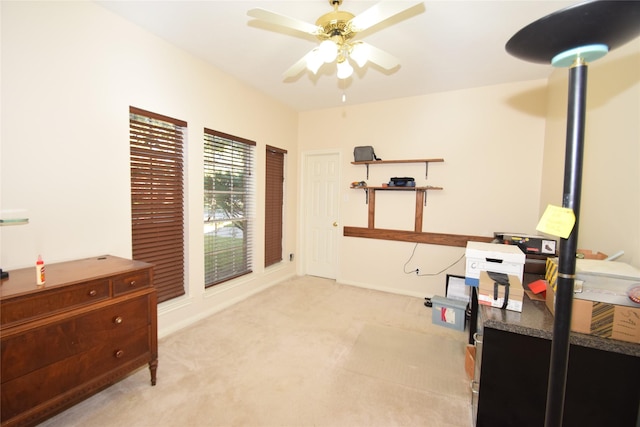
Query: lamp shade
x: 595, y: 22
x: 344, y: 69
x: 314, y: 60
x: 328, y: 51
x: 359, y: 54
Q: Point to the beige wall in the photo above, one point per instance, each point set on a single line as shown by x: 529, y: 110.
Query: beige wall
x: 491, y: 139
x: 70, y: 71
x: 610, y: 206
x: 504, y: 151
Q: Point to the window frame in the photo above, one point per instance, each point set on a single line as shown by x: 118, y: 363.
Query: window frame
x: 235, y: 164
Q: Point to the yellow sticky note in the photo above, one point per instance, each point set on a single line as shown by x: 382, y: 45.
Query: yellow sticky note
x: 557, y: 221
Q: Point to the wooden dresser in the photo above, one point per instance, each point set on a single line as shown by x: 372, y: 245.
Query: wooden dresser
x: 91, y: 324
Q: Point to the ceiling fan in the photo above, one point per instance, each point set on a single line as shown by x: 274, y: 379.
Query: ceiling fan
x: 336, y: 31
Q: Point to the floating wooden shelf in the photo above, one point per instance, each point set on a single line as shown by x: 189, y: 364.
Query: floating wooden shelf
x: 422, y: 188
x: 381, y: 162
x: 417, y: 235
x: 413, y: 236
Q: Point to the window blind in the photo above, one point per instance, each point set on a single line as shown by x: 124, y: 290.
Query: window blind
x: 274, y: 200
x: 157, y: 197
x: 228, y: 206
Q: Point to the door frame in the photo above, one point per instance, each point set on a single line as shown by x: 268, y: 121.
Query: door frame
x: 303, y: 234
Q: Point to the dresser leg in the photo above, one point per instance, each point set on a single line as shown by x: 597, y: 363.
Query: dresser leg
x: 153, y: 367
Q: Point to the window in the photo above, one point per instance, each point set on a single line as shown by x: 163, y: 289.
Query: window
x: 228, y: 205
x: 157, y: 197
x: 274, y: 199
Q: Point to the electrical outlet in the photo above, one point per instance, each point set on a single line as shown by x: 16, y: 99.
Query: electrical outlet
x: 290, y: 257
x: 417, y: 271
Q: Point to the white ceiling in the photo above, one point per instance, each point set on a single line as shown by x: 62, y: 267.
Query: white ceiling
x: 441, y: 45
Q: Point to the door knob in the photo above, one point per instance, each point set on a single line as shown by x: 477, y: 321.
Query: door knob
x: 335, y: 223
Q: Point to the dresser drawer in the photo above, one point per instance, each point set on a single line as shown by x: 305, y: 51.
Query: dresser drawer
x: 131, y: 282
x: 52, y: 301
x: 76, y: 335
x: 102, y: 365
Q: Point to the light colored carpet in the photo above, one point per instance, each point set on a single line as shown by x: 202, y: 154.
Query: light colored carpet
x: 306, y: 352
x: 412, y: 359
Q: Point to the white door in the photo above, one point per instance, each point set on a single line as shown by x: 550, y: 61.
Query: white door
x: 321, y: 208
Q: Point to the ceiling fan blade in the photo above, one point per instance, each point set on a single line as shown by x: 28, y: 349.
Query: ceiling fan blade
x: 298, y: 67
x: 378, y: 56
x: 284, y: 21
x: 380, y: 12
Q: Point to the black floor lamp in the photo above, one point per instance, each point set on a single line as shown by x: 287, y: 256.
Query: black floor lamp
x: 572, y: 37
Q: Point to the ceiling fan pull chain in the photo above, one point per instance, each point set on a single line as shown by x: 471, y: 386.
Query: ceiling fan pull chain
x: 343, y: 83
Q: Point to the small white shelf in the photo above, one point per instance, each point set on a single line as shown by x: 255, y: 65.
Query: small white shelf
x: 14, y: 221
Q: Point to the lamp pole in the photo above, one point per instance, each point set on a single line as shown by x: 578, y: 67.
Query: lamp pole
x: 568, y: 247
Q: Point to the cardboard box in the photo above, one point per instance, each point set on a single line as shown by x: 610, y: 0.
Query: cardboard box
x: 551, y: 272
x: 601, y: 307
x: 448, y: 312
x: 494, y: 296
x: 589, y: 254
x: 601, y: 319
x: 507, y: 259
x: 470, y: 360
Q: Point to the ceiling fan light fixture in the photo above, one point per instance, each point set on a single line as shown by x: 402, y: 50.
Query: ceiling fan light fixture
x: 328, y: 51
x: 359, y: 54
x: 314, y: 60
x: 335, y: 31
x: 345, y: 70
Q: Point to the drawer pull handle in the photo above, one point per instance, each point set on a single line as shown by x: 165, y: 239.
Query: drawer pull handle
x: 117, y: 320
x: 118, y: 354
x: 477, y: 338
x: 93, y: 293
x: 133, y: 283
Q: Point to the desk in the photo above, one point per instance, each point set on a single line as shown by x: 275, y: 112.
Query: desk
x: 602, y: 378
